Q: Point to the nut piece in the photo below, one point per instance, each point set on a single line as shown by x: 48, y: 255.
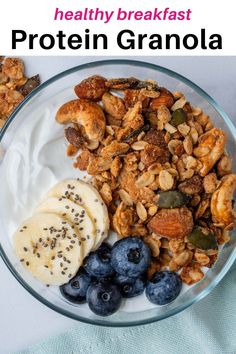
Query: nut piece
x: 113, y: 105
x: 74, y: 137
x: 152, y: 210
x: 114, y: 149
x: 179, y: 117
x: 224, y: 166
x: 191, y: 186
x: 166, y: 181
x: 188, y: 145
x: 91, y: 88
x: 163, y: 117
x: 179, y: 104
x: 215, y: 140
x: 183, y: 258
x: 184, y: 129
x: 210, y: 183
x: 202, y: 238
x: 125, y: 197
x: 138, y: 145
x: 173, y: 145
x: 201, y: 258
x: 172, y: 223
x: 171, y: 199
x: 165, y: 99
x: 170, y: 128
x: 202, y: 208
x: 141, y: 211
x: 144, y: 180
x: 221, y: 201
x: 85, y: 113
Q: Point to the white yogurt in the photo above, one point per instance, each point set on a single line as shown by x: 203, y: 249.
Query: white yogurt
x: 34, y: 162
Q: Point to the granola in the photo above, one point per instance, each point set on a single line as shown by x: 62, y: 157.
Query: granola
x: 14, y: 86
x: 159, y: 164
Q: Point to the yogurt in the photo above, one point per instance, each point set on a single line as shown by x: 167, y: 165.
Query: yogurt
x: 35, y: 161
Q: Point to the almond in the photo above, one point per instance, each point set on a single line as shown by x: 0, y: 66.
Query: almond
x: 91, y: 88
x: 165, y: 99
x: 172, y: 223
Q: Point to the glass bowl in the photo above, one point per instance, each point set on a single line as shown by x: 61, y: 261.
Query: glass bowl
x: 62, y: 85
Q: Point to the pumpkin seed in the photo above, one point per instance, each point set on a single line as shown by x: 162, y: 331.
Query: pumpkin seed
x: 178, y: 117
x: 172, y: 199
x: 202, y: 240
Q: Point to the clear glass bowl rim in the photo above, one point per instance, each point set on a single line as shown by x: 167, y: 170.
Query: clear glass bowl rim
x: 211, y: 101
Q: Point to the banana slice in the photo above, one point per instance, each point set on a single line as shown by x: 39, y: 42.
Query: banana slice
x: 84, y: 194
x: 49, y: 248
x: 76, y: 215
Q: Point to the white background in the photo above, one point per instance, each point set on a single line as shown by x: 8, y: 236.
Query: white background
x: 24, y: 320
x: 37, y: 17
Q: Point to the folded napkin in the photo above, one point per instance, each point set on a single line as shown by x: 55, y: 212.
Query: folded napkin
x: 208, y: 327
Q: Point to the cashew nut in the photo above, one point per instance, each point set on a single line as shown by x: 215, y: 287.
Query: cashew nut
x: 221, y: 202
x: 214, y: 140
x: 85, y: 113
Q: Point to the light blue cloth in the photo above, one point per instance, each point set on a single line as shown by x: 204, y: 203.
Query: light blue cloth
x: 208, y: 327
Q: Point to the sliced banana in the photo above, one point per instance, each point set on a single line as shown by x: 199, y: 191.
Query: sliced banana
x: 84, y: 194
x: 76, y: 215
x: 49, y: 248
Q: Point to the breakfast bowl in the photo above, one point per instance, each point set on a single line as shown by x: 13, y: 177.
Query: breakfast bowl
x: 33, y: 159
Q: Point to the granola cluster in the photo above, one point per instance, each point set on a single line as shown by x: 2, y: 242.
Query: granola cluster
x: 14, y: 86
x: 161, y: 168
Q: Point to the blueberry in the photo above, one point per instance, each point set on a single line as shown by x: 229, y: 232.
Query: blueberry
x: 98, y: 263
x: 104, y: 298
x: 130, y: 257
x: 163, y: 287
x: 75, y: 291
x: 130, y: 287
